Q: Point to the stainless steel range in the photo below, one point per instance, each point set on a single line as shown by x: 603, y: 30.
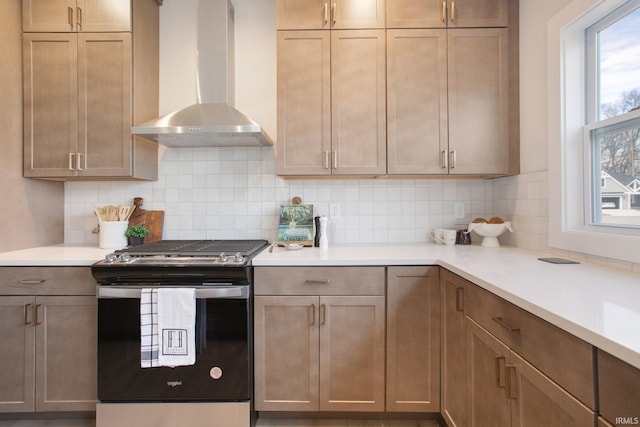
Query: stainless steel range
x: 219, y: 386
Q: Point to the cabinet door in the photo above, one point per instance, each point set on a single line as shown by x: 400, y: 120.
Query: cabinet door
x: 71, y: 16
x: 358, y: 102
x: 105, y: 90
x: 454, y: 350
x: 478, y: 101
x: 49, y: 16
x: 352, y: 353
x: 66, y: 353
x: 50, y: 79
x: 17, y: 353
x: 302, y: 14
x: 304, y: 103
x: 103, y: 15
x: 413, y: 339
x: 352, y: 14
x: 286, y: 353
x: 487, y: 404
x: 417, y: 133
x: 416, y: 14
x: 538, y: 401
x: 477, y: 13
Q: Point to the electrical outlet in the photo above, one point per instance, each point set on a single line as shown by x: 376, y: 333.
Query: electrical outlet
x: 334, y: 211
x: 458, y: 210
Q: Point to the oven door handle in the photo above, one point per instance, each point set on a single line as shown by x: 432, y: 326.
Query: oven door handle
x: 218, y: 292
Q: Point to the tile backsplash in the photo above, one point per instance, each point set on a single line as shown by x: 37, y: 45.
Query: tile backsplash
x: 214, y: 193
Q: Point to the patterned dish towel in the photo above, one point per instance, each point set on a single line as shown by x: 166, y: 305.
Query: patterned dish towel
x: 167, y: 327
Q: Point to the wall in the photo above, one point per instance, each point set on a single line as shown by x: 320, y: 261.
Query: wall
x: 32, y: 210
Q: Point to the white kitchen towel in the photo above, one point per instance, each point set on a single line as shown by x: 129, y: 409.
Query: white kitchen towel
x: 148, y: 328
x: 176, y: 326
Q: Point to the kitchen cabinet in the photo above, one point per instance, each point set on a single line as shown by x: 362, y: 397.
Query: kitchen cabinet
x: 76, y: 15
x: 48, y: 320
x: 619, y: 390
x: 319, y: 339
x: 413, y: 339
x: 505, y: 390
x: 454, y: 349
x: 449, y: 13
x: 448, y: 102
x: 98, y: 91
x: 324, y: 14
x: 331, y: 102
x: 523, y: 371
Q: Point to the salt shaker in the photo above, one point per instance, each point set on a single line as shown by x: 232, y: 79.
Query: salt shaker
x: 324, y: 240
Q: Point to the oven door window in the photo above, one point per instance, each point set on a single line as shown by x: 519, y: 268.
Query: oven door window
x: 222, y: 371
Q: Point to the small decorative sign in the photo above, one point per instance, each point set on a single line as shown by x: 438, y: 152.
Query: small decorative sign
x: 296, y: 224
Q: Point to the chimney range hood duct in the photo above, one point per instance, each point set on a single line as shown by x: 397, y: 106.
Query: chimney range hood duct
x: 213, y: 121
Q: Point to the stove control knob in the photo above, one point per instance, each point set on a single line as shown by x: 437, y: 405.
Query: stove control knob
x: 110, y: 258
x: 238, y: 257
x: 125, y: 257
x: 223, y: 257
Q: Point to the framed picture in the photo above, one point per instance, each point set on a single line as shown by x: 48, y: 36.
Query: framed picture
x: 296, y: 224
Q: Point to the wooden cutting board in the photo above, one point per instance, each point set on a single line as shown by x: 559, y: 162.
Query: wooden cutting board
x: 153, y: 220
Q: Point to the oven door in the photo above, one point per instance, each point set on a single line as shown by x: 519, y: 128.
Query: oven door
x: 223, y: 369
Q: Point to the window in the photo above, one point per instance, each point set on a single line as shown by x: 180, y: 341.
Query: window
x: 594, y: 126
x: 613, y: 131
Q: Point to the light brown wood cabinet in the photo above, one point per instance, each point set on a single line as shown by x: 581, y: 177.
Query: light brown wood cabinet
x: 324, y: 14
x: 82, y: 93
x: 76, y: 15
x: 619, y: 390
x: 48, y: 320
x: 449, y: 13
x: 319, y: 339
x: 449, y: 97
x: 331, y: 102
x: 454, y: 349
x: 413, y: 339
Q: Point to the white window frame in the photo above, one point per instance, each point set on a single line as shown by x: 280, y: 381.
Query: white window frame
x: 569, y: 154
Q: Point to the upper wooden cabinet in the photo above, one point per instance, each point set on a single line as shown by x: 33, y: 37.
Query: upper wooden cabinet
x: 82, y: 94
x: 325, y: 14
x: 449, y: 13
x: 76, y: 15
x: 331, y: 102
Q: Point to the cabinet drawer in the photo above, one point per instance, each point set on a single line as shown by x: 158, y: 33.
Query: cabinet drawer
x: 567, y: 360
x: 319, y: 280
x: 619, y: 388
x: 46, y: 281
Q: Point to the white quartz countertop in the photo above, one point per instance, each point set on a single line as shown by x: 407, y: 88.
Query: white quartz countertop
x: 56, y: 255
x: 598, y: 304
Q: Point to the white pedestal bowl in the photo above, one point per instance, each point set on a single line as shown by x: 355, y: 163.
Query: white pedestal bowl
x: 490, y: 232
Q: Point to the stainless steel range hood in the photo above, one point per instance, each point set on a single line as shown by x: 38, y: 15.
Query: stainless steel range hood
x: 213, y: 121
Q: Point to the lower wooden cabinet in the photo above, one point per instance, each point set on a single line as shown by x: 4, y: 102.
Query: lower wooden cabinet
x: 319, y: 353
x: 49, y: 362
x: 49, y: 351
x: 619, y: 390
x: 413, y: 339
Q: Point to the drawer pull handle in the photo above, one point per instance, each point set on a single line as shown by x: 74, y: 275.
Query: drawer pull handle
x: 317, y: 282
x: 510, y: 371
x: 32, y: 282
x: 502, y: 323
x: 499, y: 359
x: 459, y: 299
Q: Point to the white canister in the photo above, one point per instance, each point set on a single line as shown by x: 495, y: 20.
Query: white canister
x: 112, y: 234
x: 324, y: 239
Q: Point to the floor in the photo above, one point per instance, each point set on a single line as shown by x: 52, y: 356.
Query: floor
x: 261, y: 423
